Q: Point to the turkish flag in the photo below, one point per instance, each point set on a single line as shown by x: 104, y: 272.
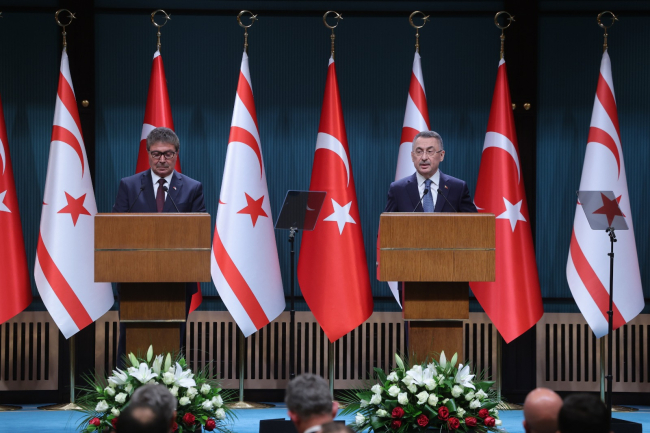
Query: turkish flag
x: 587, y: 267
x: 65, y: 256
x: 244, y: 260
x: 514, y: 301
x: 332, y: 268
x: 14, y: 276
x: 159, y: 113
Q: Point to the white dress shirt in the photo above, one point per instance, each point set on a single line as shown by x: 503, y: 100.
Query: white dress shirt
x: 155, y: 178
x: 435, y: 184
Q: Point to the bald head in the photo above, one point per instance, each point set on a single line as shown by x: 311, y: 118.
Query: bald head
x: 541, y: 410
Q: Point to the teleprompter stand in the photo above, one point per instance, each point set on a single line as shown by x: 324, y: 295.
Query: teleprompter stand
x: 602, y: 212
x: 299, y: 212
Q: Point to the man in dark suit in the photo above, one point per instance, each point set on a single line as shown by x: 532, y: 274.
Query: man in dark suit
x: 407, y: 194
x: 161, y: 189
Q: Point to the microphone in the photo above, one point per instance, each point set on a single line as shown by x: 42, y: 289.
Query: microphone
x: 441, y: 194
x: 426, y: 191
x: 172, y: 198
x: 136, y: 198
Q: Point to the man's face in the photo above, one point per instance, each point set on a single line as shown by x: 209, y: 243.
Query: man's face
x: 162, y: 165
x: 427, y: 156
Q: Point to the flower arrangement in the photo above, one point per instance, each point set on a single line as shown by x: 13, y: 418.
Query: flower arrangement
x: 428, y: 396
x: 200, y: 401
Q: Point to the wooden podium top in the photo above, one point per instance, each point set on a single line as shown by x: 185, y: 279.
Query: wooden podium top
x: 152, y: 247
x: 437, y: 247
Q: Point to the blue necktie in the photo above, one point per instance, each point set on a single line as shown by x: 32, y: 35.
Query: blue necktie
x: 427, y: 200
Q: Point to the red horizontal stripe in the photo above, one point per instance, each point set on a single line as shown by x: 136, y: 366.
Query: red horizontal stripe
x: 238, y: 284
x: 61, y: 288
x: 591, y: 281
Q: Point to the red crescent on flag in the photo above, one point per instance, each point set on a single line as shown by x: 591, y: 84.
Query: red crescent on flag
x: 65, y: 136
x: 597, y: 135
x: 241, y: 135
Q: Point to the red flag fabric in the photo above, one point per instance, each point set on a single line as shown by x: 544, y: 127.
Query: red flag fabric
x: 587, y: 267
x: 332, y: 268
x: 65, y: 268
x: 14, y: 275
x: 159, y: 113
x: 514, y: 301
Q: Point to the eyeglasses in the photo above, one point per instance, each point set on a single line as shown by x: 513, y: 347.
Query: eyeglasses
x: 430, y: 152
x: 168, y: 155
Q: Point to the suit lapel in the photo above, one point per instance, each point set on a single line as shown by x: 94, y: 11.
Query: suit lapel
x: 174, y: 190
x: 148, y: 192
x: 414, y: 193
x: 440, y: 202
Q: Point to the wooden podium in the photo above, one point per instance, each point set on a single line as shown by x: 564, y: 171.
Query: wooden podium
x: 152, y: 256
x: 436, y: 255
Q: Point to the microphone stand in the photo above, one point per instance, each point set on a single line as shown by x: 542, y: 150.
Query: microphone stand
x: 292, y: 314
x: 610, y: 315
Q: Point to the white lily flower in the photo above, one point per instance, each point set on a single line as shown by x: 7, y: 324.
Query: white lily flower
x: 408, y: 379
x: 157, y: 364
x: 443, y: 359
x: 464, y: 378
x: 183, y: 378
x: 142, y: 373
x: 415, y: 374
x: 110, y: 391
x: 119, y: 377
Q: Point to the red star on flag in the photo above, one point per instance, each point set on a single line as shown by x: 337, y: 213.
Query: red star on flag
x: 610, y: 208
x: 75, y: 207
x: 254, y: 208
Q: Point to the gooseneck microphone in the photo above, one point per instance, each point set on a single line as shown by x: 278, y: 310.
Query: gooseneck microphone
x: 136, y: 198
x: 426, y: 191
x: 443, y: 196
x: 172, y: 198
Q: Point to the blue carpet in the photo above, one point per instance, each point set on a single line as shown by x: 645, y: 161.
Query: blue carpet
x: 30, y: 419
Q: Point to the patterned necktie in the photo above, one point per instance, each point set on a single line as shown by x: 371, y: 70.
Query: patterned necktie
x: 160, y: 195
x: 427, y: 200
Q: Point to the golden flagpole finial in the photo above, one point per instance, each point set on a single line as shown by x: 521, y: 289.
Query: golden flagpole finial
x: 338, y: 17
x: 510, y: 19
x: 56, y: 17
x: 425, y: 18
x: 253, y: 18
x: 605, y: 27
x: 158, y: 26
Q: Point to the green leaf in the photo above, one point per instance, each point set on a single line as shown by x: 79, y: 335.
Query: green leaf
x: 378, y: 423
x: 91, y: 427
x: 381, y: 375
x: 133, y: 359
x: 489, y: 405
x: 454, y: 359
x: 451, y: 405
x: 485, y: 386
x: 429, y: 412
x: 150, y: 353
x: 168, y: 361
x: 399, y: 361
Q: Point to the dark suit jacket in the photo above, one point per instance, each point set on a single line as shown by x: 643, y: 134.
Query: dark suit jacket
x: 403, y: 195
x: 186, y: 192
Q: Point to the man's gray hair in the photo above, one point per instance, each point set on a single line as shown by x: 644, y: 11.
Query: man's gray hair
x: 163, y: 135
x: 429, y: 134
x: 157, y: 397
x: 308, y: 395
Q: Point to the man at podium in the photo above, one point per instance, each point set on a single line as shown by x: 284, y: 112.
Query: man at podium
x: 429, y: 189
x: 160, y: 189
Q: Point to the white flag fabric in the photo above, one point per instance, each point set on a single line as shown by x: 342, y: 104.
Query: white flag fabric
x: 65, y: 269
x: 588, y: 264
x: 416, y: 119
x: 244, y: 261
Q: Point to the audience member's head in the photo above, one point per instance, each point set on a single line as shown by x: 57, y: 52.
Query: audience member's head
x: 309, y: 402
x: 583, y: 413
x: 335, y: 427
x: 159, y: 399
x: 141, y: 418
x: 541, y: 409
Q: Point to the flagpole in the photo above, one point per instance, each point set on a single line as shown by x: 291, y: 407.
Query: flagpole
x: 159, y: 26
x: 502, y: 404
x: 417, y: 28
x: 71, y: 405
x: 241, y: 340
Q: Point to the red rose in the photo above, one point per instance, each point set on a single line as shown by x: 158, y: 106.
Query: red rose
x: 114, y: 422
x: 189, y: 419
x: 453, y: 423
x: 95, y: 421
x: 422, y: 420
x: 174, y: 426
x: 443, y: 413
x: 210, y: 424
x: 398, y: 412
x: 483, y: 413
x: 396, y: 424
x: 489, y: 421
x: 470, y: 421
